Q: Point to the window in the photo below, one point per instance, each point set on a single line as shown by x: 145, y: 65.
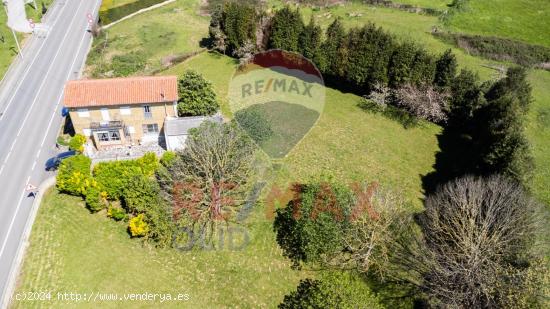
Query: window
x: 103, y: 136
x: 108, y: 136
x: 83, y: 112
x: 152, y: 128
x: 125, y: 110
x: 147, y: 111
x: 114, y: 135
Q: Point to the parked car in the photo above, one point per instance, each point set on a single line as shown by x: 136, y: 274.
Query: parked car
x: 53, y: 163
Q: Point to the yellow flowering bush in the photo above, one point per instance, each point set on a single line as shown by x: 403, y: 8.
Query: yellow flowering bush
x: 138, y: 227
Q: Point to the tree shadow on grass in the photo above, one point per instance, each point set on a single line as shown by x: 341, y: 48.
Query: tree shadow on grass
x: 276, y: 127
x: 391, y: 112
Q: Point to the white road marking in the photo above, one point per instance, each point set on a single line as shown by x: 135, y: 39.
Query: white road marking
x: 40, y: 87
x: 51, y: 119
x: 29, y: 67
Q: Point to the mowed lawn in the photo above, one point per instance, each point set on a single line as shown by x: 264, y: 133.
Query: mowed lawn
x: 74, y: 251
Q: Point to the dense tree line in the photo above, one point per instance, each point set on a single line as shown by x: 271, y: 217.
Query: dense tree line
x: 484, y: 131
x: 357, y: 59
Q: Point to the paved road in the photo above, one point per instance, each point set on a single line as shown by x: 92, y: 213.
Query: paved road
x: 30, y: 116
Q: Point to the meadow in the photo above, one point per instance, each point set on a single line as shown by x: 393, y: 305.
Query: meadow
x: 72, y: 250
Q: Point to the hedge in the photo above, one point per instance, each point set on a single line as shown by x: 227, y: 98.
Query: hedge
x: 117, y: 13
x: 499, y: 49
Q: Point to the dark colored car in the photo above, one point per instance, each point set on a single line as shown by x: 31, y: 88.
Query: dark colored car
x: 53, y: 163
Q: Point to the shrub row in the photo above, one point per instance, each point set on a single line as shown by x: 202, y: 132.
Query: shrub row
x: 113, y: 14
x: 499, y: 49
x: 130, y: 183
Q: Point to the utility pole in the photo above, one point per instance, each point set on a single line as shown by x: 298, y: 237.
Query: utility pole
x: 13, y: 32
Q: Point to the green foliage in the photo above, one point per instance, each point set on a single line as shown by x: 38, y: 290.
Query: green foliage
x: 484, y: 133
x: 338, y: 290
x: 77, y: 143
x: 313, y: 223
x: 74, y: 176
x: 168, y: 158
x: 94, y: 200
x: 286, y: 28
x: 445, y: 69
x: 116, y: 213
x: 142, y: 196
x: 127, y: 64
x: 197, y: 98
x: 113, y: 14
x: 333, y: 50
x: 497, y: 48
x: 358, y: 59
x: 310, y: 42
x: 401, y: 64
x: 137, y: 226
x: 238, y: 22
x: 113, y: 177
x: 139, y: 194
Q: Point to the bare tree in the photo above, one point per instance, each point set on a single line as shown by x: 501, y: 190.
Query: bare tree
x: 245, y: 53
x: 478, y: 237
x: 378, y: 220
x: 423, y: 101
x: 208, y: 180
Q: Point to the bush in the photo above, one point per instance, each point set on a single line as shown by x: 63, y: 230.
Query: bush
x: 499, y: 49
x: 168, y: 158
x: 138, y: 227
x: 94, y: 200
x: 312, y: 225
x: 74, y: 175
x: 140, y: 194
x: 76, y: 143
x: 113, y: 177
x: 197, y: 98
x: 116, y: 213
x: 333, y: 290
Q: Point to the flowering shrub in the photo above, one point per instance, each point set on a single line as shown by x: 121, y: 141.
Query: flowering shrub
x: 74, y: 175
x: 77, y: 143
x: 138, y: 227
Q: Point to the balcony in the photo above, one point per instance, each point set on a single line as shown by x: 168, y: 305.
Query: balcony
x: 117, y: 124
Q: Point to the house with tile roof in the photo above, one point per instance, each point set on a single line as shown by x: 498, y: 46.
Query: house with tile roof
x: 122, y: 111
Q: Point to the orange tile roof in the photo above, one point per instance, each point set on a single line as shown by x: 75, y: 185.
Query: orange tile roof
x: 120, y: 91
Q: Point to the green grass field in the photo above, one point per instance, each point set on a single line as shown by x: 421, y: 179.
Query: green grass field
x: 172, y: 30
x: 72, y: 250
x: 524, y: 20
x: 8, y: 48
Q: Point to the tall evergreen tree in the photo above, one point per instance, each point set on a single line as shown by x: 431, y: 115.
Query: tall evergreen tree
x: 503, y: 146
x: 334, y: 50
x: 399, y: 70
x: 310, y: 41
x: 445, y: 69
x: 238, y: 22
x: 286, y: 27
